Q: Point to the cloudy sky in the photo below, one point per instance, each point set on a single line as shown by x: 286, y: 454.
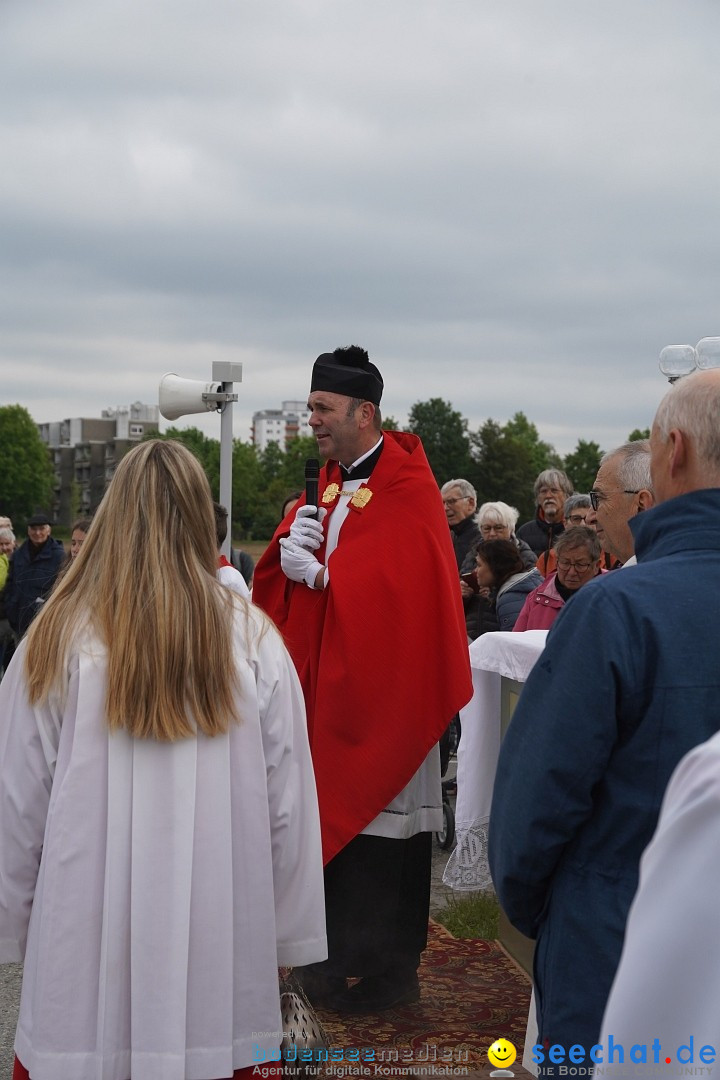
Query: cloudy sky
x: 513, y: 204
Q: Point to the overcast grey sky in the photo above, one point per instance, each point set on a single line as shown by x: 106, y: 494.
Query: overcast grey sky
x: 511, y: 204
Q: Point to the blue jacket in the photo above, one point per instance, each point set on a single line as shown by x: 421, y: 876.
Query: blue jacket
x: 512, y: 595
x: 30, y: 580
x: 628, y: 683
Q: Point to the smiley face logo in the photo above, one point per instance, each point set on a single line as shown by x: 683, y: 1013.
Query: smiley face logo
x: 502, y: 1053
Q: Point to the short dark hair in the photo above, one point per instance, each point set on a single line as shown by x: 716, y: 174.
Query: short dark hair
x: 292, y: 497
x: 355, y: 402
x: 503, y: 559
x: 221, y: 516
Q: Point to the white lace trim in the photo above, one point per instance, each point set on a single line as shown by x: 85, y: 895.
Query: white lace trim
x: 467, y: 868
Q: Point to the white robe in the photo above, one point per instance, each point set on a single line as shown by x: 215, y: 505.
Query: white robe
x: 152, y: 889
x: 667, y: 985
x: 233, y: 579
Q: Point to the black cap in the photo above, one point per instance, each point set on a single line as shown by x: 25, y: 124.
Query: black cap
x: 39, y: 519
x: 348, y: 371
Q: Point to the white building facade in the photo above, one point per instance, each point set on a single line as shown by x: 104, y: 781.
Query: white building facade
x: 280, y: 425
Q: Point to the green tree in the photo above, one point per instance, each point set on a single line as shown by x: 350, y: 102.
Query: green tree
x: 542, y: 454
x: 639, y: 433
x: 297, y: 453
x: 389, y: 423
x: 582, y: 465
x: 444, y: 435
x: 504, y: 467
x: 247, y: 488
x: 26, y: 475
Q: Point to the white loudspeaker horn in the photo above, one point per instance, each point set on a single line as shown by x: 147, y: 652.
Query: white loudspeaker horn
x: 178, y: 397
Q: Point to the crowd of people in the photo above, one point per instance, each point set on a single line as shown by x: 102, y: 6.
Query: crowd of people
x: 196, y: 789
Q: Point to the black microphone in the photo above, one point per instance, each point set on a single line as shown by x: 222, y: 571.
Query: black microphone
x: 312, y: 475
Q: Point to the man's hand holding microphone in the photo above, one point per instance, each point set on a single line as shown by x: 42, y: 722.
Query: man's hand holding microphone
x: 297, y: 550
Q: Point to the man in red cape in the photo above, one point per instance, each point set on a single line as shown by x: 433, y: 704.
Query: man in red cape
x: 368, y: 602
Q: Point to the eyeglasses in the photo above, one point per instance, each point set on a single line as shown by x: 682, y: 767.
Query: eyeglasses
x: 596, y: 497
x: 487, y: 529
x: 577, y: 519
x: 451, y: 502
x: 580, y: 567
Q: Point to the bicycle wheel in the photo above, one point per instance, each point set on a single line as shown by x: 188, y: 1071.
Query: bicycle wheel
x: 446, y: 835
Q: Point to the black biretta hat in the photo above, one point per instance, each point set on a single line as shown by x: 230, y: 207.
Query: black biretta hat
x: 348, y: 371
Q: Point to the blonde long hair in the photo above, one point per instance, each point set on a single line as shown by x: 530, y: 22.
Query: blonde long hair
x: 144, y: 581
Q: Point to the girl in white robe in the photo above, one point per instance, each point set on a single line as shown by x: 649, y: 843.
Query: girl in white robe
x: 153, y: 880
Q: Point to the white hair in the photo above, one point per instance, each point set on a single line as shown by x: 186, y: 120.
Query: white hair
x: 467, y: 491
x: 633, y: 465
x: 692, y: 406
x: 507, y: 514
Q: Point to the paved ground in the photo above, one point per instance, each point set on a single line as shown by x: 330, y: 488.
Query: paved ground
x: 9, y: 998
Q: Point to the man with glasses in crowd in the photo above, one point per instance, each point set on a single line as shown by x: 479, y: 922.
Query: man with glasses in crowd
x: 575, y: 509
x: 623, y: 488
x: 627, y: 684
x: 552, y: 487
x: 460, y: 503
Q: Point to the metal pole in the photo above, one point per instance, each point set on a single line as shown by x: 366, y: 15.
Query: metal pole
x: 226, y: 449
x: 226, y: 374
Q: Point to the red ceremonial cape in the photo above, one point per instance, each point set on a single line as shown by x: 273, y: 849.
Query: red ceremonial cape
x: 381, y: 652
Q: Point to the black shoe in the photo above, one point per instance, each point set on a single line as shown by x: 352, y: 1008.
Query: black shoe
x: 376, y: 993
x: 317, y: 985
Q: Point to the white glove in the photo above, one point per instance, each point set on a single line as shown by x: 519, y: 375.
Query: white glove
x: 305, y: 532
x: 298, y: 563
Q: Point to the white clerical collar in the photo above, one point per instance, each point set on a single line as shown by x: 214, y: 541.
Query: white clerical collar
x: 351, y: 468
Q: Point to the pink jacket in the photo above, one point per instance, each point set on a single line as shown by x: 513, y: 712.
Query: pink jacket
x: 541, y: 607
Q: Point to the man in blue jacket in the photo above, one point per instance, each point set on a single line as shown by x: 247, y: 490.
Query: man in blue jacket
x: 33, y: 570
x: 628, y: 683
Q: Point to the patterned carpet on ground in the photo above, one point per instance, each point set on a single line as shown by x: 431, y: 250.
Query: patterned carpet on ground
x: 472, y: 993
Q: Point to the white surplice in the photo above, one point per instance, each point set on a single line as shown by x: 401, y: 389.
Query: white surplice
x: 667, y: 985
x: 152, y: 889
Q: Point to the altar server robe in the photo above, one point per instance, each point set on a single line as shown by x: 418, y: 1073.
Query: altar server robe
x: 152, y: 889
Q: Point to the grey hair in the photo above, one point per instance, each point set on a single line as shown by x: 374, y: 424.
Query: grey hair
x: 693, y: 406
x: 579, y: 536
x: 575, y: 502
x: 467, y: 491
x: 553, y: 478
x: 633, y: 465
x: 507, y: 514
x: 5, y: 523
x: 7, y: 534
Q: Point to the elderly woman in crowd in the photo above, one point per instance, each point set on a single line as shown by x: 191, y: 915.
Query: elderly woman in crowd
x: 579, y: 559
x: 500, y: 568
x: 159, y: 834
x: 495, y: 521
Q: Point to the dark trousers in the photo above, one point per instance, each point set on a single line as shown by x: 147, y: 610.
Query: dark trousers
x: 377, y: 904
